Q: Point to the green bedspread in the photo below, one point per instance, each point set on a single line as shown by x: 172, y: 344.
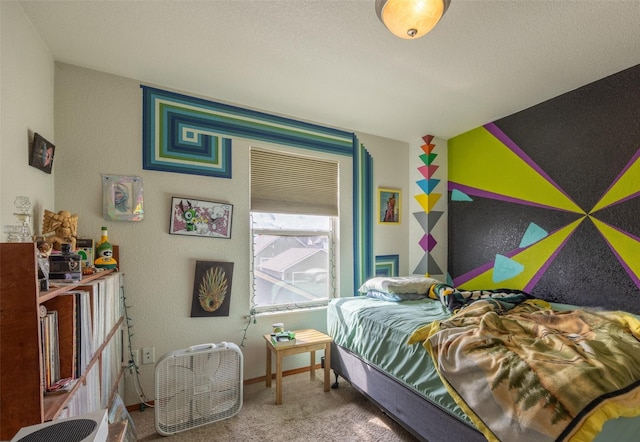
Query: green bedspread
x: 534, y: 374
x: 377, y: 331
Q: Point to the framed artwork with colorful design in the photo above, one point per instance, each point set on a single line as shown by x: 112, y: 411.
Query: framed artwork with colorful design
x: 196, y: 217
x: 389, y: 201
x: 122, y: 198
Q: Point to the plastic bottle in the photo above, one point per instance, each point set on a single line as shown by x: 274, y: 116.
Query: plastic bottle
x: 104, y: 253
x: 104, y: 237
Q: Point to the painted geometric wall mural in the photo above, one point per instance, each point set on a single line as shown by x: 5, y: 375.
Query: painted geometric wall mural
x: 537, y: 254
x: 458, y: 195
x: 180, y: 137
x: 505, y: 268
x: 387, y: 265
x: 427, y: 199
x: 533, y: 234
x: 192, y: 135
x: 547, y: 200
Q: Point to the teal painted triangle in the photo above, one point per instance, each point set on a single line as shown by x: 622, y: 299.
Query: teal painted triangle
x: 533, y: 234
x: 427, y: 186
x: 457, y: 195
x: 505, y: 268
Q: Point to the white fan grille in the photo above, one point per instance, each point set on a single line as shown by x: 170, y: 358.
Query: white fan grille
x: 195, y: 388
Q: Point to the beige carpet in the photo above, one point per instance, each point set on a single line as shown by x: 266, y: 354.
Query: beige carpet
x: 307, y: 414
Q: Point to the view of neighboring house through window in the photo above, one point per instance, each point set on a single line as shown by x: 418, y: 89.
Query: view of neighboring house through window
x: 294, y: 216
x: 292, y: 260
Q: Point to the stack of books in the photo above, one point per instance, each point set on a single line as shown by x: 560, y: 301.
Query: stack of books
x: 283, y: 339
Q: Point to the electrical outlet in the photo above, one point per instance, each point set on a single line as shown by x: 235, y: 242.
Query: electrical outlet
x: 148, y: 355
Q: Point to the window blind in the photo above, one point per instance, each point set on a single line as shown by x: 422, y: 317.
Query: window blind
x: 286, y: 183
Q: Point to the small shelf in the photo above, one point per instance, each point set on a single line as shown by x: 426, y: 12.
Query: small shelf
x: 55, y: 403
x: 22, y: 381
x: 44, y: 296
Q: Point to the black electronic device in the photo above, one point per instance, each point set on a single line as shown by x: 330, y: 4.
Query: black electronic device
x: 65, y: 266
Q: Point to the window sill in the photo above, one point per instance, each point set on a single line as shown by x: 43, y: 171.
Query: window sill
x: 287, y: 311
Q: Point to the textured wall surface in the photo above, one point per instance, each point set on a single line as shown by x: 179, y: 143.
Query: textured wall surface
x: 26, y: 90
x: 98, y: 120
x: 547, y: 199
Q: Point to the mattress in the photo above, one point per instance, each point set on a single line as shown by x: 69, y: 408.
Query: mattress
x: 352, y: 322
x: 377, y: 331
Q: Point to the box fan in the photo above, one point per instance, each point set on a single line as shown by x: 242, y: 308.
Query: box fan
x: 197, y: 386
x: 90, y: 427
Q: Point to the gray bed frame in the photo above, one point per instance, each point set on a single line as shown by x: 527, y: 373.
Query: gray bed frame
x: 422, y: 418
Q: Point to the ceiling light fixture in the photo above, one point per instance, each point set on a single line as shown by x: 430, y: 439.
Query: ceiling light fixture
x: 410, y: 18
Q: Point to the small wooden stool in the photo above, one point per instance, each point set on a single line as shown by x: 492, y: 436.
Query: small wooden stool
x: 306, y: 340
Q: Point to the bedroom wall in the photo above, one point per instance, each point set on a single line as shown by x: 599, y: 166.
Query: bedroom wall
x: 98, y: 130
x: 390, y: 159
x: 26, y: 88
x: 98, y: 119
x: 546, y: 200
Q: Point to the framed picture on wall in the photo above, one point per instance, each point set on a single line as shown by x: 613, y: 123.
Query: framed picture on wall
x: 211, y: 288
x: 389, y: 205
x: 122, y: 198
x: 194, y: 217
x: 41, y: 154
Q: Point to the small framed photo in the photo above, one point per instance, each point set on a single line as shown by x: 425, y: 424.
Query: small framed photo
x: 41, y: 154
x: 122, y: 198
x: 389, y: 205
x: 194, y: 217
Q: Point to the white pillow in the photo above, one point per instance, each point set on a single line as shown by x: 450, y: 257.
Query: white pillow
x: 399, y: 284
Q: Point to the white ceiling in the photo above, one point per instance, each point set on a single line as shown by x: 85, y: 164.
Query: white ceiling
x: 334, y: 63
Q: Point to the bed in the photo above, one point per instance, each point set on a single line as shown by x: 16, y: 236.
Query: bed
x: 371, y: 351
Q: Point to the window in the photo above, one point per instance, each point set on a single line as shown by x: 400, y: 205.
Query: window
x: 294, y: 208
x: 292, y: 260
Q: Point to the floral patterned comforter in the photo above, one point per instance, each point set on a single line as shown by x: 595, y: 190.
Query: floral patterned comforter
x: 533, y: 374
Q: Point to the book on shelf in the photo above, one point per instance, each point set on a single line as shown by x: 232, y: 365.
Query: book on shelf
x: 61, y: 386
x: 78, y: 322
x: 86, y: 332
x: 50, y: 353
x: 283, y: 339
x: 83, y: 334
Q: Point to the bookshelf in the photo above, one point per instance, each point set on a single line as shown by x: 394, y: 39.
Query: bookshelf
x: 99, y: 373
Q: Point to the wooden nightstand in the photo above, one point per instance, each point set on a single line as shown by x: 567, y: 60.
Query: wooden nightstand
x: 308, y: 340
